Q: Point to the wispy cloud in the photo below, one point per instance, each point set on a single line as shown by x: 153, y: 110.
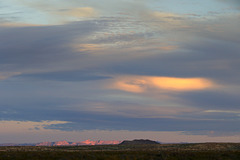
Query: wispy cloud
x: 6, y: 75
x: 88, y: 47
x: 48, y: 13
x: 24, y: 126
x: 80, y: 12
x: 221, y: 111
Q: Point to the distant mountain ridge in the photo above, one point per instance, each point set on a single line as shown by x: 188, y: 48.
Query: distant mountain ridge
x: 87, y: 142
x: 65, y: 143
x: 17, y: 144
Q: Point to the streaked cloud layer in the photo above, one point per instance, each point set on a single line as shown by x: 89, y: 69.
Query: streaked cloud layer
x: 120, y: 66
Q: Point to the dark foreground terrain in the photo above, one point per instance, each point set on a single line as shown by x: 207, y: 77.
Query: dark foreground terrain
x: 205, y: 151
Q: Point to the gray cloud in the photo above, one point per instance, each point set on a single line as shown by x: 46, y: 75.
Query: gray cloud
x: 212, y: 55
x: 82, y: 120
x: 209, y: 55
x: 213, y: 100
x: 215, y: 60
x: 35, y: 47
x: 65, y: 76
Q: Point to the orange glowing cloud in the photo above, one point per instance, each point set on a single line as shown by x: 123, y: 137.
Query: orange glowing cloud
x: 181, y: 84
x: 128, y: 86
x: 140, y: 84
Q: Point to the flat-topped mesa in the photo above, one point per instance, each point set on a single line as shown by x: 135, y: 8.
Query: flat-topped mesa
x: 138, y: 142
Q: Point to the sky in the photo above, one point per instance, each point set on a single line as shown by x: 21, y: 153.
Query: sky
x: 119, y: 69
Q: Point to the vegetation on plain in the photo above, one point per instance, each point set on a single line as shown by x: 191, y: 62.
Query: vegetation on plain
x: 206, y: 151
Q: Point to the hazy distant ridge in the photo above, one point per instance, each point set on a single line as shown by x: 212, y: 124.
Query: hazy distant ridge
x: 87, y: 142
x: 80, y: 143
x: 64, y: 143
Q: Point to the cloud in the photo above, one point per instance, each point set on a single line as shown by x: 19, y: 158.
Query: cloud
x: 168, y: 48
x: 143, y: 108
x: 6, y: 75
x: 16, y: 24
x: 219, y: 99
x: 80, y: 12
x: 166, y: 20
x: 95, y: 48
x: 130, y: 85
x: 153, y: 19
x: 41, y: 46
x: 115, y: 122
x: 22, y: 126
x: 71, y: 76
x: 48, y: 12
x: 222, y: 111
x: 207, y: 56
x: 181, y: 84
x: 143, y: 83
x: 73, y: 14
x: 130, y: 117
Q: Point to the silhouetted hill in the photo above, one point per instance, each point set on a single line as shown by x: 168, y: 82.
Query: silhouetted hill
x: 138, y: 142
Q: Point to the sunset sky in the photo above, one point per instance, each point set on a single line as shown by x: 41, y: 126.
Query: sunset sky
x: 166, y: 70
